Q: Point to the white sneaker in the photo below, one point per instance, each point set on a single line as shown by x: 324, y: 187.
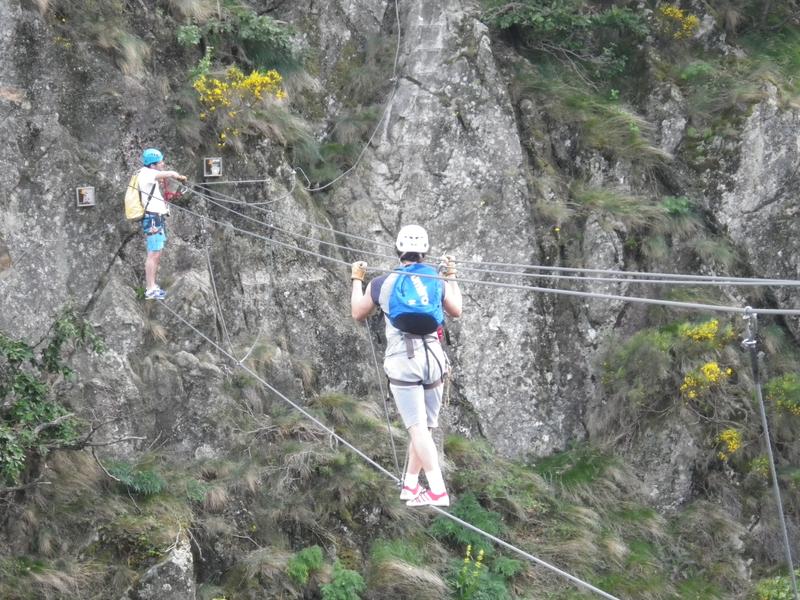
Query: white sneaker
x: 155, y: 294
x: 408, y: 493
x: 428, y: 498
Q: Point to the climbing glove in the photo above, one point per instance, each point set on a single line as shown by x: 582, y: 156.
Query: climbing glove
x: 448, y: 267
x: 358, y: 270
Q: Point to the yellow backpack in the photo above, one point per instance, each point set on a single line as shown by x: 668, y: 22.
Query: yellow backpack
x: 134, y: 209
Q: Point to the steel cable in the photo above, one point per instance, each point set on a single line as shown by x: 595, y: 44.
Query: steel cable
x: 639, y: 277
x: 382, y: 469
x: 498, y: 284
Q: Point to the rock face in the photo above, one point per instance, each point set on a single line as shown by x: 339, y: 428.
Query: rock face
x: 448, y: 155
x: 172, y: 578
x: 757, y: 203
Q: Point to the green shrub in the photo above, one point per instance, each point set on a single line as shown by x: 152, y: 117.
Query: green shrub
x: 196, y: 491
x: 31, y: 420
x: 189, y: 35
x: 576, y: 467
x: 604, y: 41
x: 472, y: 580
x: 143, y: 481
x: 345, y: 585
x: 784, y: 392
x: 469, y: 509
x: 302, y: 564
x: 238, y: 33
x: 507, y: 567
x: 639, y: 370
x: 776, y: 588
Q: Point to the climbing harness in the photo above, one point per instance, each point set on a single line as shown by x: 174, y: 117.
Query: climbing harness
x: 151, y: 220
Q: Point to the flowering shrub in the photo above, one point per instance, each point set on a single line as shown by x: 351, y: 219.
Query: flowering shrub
x: 701, y: 333
x: 697, y: 383
x: 227, y: 101
x: 730, y: 441
x: 676, y: 23
x: 709, y: 332
x: 468, y: 578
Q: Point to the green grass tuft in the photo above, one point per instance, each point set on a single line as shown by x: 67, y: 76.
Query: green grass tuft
x: 578, y: 467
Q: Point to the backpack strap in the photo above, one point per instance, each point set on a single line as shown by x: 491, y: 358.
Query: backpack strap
x: 149, y: 197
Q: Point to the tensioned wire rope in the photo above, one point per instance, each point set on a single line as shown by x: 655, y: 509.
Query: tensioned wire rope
x: 229, y: 199
x: 672, y: 278
x: 499, y: 284
x: 750, y: 344
x: 369, y: 333
x: 290, y: 233
x: 379, y: 467
x: 213, y: 200
x: 620, y: 276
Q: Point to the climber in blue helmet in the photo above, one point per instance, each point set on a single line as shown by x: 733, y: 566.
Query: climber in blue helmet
x: 151, y: 176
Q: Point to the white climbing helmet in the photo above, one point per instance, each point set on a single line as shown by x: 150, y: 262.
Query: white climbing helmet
x: 412, y: 238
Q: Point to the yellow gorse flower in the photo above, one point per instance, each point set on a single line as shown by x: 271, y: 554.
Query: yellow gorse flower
x: 696, y: 383
x: 709, y: 332
x: 731, y: 441
x: 228, y: 98
x: 700, y: 333
x: 683, y: 25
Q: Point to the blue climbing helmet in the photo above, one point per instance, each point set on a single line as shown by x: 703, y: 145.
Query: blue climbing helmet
x: 151, y: 156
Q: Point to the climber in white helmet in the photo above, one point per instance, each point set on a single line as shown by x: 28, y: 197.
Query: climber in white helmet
x: 414, y: 299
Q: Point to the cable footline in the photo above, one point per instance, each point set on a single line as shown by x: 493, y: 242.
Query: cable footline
x: 229, y: 199
x: 557, y: 291
x: 379, y: 467
x: 720, y: 282
x: 283, y: 397
x: 234, y: 181
x: 233, y: 200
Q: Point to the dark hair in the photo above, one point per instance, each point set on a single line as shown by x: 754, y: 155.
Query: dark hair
x: 411, y: 256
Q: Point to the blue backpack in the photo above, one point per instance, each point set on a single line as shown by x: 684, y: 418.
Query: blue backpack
x: 415, y: 304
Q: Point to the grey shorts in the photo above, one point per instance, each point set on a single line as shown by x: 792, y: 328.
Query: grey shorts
x: 416, y: 404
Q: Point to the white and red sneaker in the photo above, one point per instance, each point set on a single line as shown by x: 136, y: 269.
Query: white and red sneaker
x: 408, y: 493
x: 428, y: 498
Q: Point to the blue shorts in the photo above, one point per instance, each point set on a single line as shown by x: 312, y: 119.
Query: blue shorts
x: 157, y: 239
